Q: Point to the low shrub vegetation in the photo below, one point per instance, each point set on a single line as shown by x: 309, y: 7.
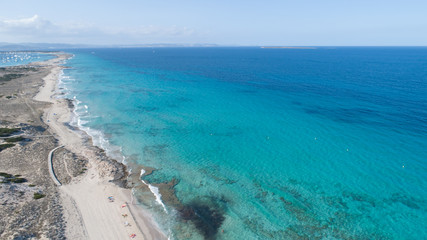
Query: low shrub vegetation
x: 38, y: 195
x: 6, y: 145
x: 18, y: 180
x: 5, y: 132
x: 14, y: 139
x: 8, y: 178
x: 10, y: 76
x: 5, y: 175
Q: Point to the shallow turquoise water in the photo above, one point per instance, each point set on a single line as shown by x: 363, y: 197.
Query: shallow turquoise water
x: 267, y: 143
x: 21, y: 58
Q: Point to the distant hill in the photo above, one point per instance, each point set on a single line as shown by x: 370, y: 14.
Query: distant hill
x: 38, y: 46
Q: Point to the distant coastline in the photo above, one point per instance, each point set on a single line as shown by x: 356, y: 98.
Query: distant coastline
x: 288, y: 47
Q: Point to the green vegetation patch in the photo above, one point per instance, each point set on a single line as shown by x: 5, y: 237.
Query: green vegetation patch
x: 18, y: 180
x: 33, y: 69
x: 83, y: 170
x: 6, y: 145
x: 5, y: 132
x: 14, y: 139
x: 8, y: 178
x: 5, y: 175
x: 10, y: 76
x: 39, y: 195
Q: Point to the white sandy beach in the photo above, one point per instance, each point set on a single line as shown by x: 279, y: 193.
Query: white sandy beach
x: 88, y: 212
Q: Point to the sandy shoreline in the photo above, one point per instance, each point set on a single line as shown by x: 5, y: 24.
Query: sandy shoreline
x: 87, y: 213
x: 102, y: 218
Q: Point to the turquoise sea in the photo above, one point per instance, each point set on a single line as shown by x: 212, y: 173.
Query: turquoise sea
x: 252, y: 143
x: 21, y: 58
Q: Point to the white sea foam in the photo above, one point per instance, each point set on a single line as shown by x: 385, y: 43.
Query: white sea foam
x: 62, y: 90
x: 60, y: 85
x: 155, y: 191
x: 80, y: 111
x: 98, y: 137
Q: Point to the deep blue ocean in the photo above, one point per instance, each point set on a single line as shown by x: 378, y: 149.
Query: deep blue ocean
x: 252, y: 143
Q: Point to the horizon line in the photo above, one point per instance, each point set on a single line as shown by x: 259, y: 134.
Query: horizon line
x: 166, y: 45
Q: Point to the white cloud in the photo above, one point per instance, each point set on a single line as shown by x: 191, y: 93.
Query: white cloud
x: 23, y: 22
x: 37, y: 29
x: 25, y: 26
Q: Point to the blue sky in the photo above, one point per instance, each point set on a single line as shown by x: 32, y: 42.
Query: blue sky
x: 287, y: 23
